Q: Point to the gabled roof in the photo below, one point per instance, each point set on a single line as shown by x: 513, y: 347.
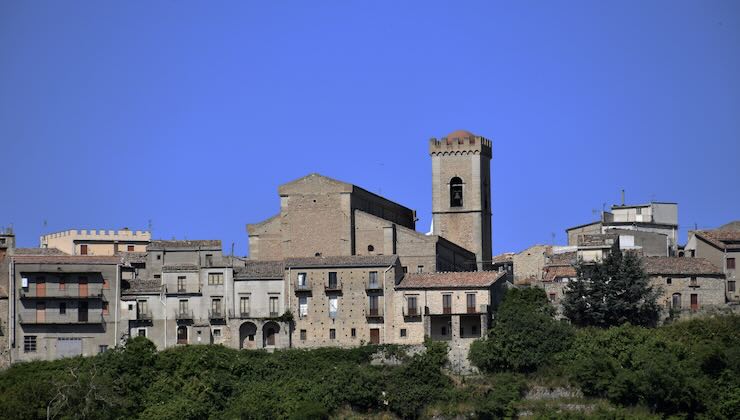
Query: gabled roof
x: 260, y: 270
x: 680, y: 266
x: 38, y: 251
x: 142, y: 286
x: 558, y: 271
x: 450, y: 280
x: 159, y: 245
x: 66, y: 259
x: 724, y: 239
x: 343, y: 261
x: 133, y: 257
x: 563, y: 259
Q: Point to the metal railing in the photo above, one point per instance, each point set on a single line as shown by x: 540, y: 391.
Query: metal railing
x: 69, y: 292
x: 216, y: 314
x: 376, y: 312
x: 333, y: 286
x: 411, y: 312
x: 69, y: 319
x: 184, y: 314
x: 302, y: 287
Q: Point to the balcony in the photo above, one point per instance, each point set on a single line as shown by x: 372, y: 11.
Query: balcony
x: 68, y: 292
x: 72, y: 318
x: 374, y: 312
x: 414, y: 312
x: 186, y: 289
x: 373, y: 286
x: 215, y: 314
x: 143, y: 316
x: 238, y: 314
x: 184, y: 315
x: 333, y: 287
x: 302, y: 287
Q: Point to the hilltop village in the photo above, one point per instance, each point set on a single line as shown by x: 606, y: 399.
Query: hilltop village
x: 337, y: 266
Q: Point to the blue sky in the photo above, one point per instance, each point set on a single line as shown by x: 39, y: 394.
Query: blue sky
x: 190, y: 114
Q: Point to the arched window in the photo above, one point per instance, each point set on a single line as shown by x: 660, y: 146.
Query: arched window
x: 456, y: 192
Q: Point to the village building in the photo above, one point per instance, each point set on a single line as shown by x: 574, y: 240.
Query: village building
x: 97, y: 242
x: 721, y: 247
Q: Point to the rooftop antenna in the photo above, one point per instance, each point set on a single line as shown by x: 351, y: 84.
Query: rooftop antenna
x: 149, y: 226
x: 552, y: 235
x: 622, y: 196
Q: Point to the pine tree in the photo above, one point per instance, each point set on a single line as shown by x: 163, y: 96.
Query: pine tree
x: 612, y: 292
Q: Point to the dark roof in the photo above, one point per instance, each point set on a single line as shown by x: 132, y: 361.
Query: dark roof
x: 260, y: 270
x: 563, y: 259
x: 342, y: 261
x: 450, y: 280
x: 185, y: 244
x: 555, y: 271
x: 679, y: 266
x: 38, y: 251
x: 180, y: 267
x: 66, y: 259
x: 583, y: 225
x: 133, y: 257
x: 725, y: 239
x: 142, y: 286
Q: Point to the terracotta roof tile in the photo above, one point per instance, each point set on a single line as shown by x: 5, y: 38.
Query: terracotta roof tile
x: 553, y: 272
x: 728, y: 239
x: 680, y: 266
x: 461, y: 279
x: 343, y: 261
x: 38, y: 251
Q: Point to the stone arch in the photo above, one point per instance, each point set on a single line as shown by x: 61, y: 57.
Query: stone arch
x: 270, y: 334
x: 456, y: 192
x: 248, y: 335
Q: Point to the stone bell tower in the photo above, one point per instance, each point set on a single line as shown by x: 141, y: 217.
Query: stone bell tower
x: 461, y: 192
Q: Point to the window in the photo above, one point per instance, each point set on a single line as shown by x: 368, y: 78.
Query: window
x: 639, y: 210
x: 83, y: 249
x: 676, y: 301
x: 470, y: 298
x: 731, y: 285
x: 273, y: 306
x: 244, y: 305
x: 456, y: 192
x: 669, y: 281
x: 159, y: 256
x: 302, y: 280
x: 447, y: 304
x: 303, y: 335
x: 353, y: 333
x: 413, y: 309
x: 302, y: 306
x: 215, y: 278
x: 181, y: 286
x: 405, y: 269
x: 217, y: 332
x: 102, y: 348
x: 141, y: 307
x: 333, y: 306
x: 62, y: 308
x: 130, y: 248
x: 693, y: 282
x: 730, y: 263
x: 332, y: 334
x: 370, y: 248
x: 157, y: 276
x: 141, y: 332
x: 216, y: 307
x: 62, y: 283
x: 419, y: 268
x: 373, y: 280
x: 105, y: 308
x: 552, y: 296
x: 182, y: 306
x: 374, y: 309
x: 130, y: 306
x: 209, y: 260
x: 332, y: 280
x: 29, y: 344
x: 403, y: 332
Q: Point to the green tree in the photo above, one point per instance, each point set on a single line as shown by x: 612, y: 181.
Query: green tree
x: 611, y: 293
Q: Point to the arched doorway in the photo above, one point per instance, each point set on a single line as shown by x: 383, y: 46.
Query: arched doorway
x: 182, y: 334
x: 269, y: 332
x: 247, y: 335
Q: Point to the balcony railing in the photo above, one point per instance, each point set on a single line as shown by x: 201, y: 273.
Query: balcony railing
x: 374, y: 285
x: 447, y: 310
x: 374, y: 312
x: 411, y: 312
x: 216, y: 314
x: 333, y: 286
x: 302, y: 287
x: 187, y: 289
x: 70, y: 318
x: 68, y: 292
x: 184, y: 314
x: 238, y: 314
x: 143, y: 316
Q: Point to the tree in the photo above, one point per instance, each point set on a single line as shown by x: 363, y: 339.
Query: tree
x: 612, y: 292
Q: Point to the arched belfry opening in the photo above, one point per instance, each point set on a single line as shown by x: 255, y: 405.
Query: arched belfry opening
x: 456, y: 192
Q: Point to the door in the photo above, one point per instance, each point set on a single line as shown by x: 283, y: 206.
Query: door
x: 40, y: 312
x: 82, y: 312
x: 69, y: 347
x: 182, y: 334
x: 40, y: 287
x: 694, y: 302
x: 270, y: 337
x: 83, y: 287
x: 374, y: 336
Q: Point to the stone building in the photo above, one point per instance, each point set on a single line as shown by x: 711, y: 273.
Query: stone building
x: 97, y: 242
x: 62, y: 305
x: 688, y: 285
x: 721, y: 247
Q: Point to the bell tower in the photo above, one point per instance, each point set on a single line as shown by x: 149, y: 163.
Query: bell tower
x: 461, y: 192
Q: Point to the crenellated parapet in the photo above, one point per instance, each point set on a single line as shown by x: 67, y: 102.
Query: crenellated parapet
x: 460, y: 143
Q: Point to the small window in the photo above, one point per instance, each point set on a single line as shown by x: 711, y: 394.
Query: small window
x: 141, y: 332
x: 130, y: 248
x: 209, y: 260
x: 403, y: 332
x: 639, y: 210
x: 302, y: 280
x: 373, y: 279
x: 102, y: 348
x: 332, y: 334
x: 333, y: 306
x: 130, y: 306
x: 730, y: 263
x: 669, y: 281
x: 420, y: 269
x: 353, y: 333
x: 215, y: 278
x: 157, y: 276
x: 405, y: 269
x: 731, y: 285
x: 83, y: 249
x: 29, y: 344
x: 693, y: 282
x: 370, y: 248
x: 62, y: 308
x: 217, y: 332
x: 159, y: 256
x: 181, y: 288
x: 303, y: 335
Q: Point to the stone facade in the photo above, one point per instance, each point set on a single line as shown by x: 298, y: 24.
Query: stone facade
x: 722, y: 248
x: 97, y: 242
x: 687, y: 285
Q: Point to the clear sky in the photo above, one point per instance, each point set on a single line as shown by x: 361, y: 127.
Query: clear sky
x: 191, y: 113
